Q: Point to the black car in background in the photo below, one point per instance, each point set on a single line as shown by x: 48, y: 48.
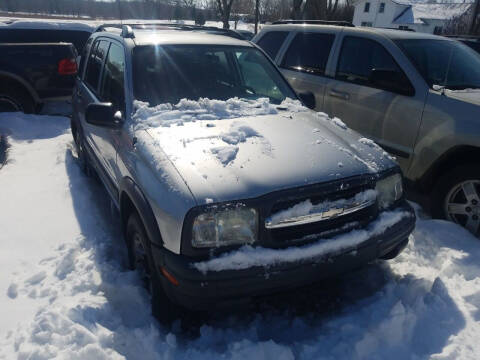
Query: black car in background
x: 46, y: 32
x: 38, y: 62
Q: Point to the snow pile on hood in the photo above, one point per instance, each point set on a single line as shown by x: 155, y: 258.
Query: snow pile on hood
x: 66, y: 293
x: 206, y: 109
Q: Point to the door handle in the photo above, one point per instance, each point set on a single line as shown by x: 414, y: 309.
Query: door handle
x: 79, y: 94
x: 339, y: 94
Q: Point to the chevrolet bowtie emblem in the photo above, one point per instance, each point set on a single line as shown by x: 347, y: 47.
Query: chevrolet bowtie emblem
x: 319, y: 215
x: 332, y: 213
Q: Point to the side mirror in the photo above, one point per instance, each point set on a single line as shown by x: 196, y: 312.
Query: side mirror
x: 308, y: 99
x: 391, y: 80
x: 102, y: 114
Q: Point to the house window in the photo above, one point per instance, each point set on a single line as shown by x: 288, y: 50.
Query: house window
x: 366, y: 23
x: 382, y: 8
x: 438, y: 30
x: 367, y: 7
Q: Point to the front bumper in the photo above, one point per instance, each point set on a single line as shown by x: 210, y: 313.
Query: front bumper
x: 201, y: 291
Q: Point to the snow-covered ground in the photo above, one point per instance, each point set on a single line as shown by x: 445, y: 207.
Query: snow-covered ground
x: 65, y: 292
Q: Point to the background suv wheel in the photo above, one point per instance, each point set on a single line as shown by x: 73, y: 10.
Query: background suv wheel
x: 456, y: 197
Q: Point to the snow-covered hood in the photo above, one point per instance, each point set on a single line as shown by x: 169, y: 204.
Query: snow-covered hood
x: 242, y: 157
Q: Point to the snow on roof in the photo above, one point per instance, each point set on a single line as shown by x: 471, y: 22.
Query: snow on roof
x: 417, y: 13
x: 48, y: 25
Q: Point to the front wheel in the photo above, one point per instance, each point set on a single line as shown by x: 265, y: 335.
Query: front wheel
x: 456, y: 197
x: 140, y: 259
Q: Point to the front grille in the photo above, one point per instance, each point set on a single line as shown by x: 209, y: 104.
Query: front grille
x: 279, y: 237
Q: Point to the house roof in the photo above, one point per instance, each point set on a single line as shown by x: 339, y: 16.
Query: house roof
x: 418, y: 12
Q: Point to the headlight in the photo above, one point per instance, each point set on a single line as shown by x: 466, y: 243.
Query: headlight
x: 389, y: 190
x: 225, y: 227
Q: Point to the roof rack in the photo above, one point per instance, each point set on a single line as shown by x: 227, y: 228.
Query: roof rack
x: 393, y: 28
x: 314, y: 22
x: 466, y: 37
x: 127, y: 29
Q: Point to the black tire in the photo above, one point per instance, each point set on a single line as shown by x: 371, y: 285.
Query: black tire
x: 15, y: 98
x: 141, y: 259
x: 448, y: 191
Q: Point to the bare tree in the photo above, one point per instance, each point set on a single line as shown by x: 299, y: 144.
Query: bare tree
x: 224, y: 8
x: 297, y: 9
x: 257, y: 14
x: 191, y: 6
x: 332, y: 9
x: 475, y: 25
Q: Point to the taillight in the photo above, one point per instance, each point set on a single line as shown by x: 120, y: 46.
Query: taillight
x: 67, y: 67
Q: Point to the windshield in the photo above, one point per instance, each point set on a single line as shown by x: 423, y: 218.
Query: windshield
x: 444, y: 63
x: 167, y: 74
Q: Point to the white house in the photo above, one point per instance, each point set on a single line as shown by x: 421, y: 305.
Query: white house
x: 417, y: 15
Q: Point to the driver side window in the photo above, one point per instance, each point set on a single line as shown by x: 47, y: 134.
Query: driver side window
x: 112, y: 85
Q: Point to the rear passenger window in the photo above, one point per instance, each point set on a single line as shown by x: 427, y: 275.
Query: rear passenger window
x: 95, y: 62
x: 113, y: 78
x: 309, y: 53
x: 272, y: 41
x: 359, y: 56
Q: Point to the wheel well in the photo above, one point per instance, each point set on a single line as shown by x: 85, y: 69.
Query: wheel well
x: 73, y: 127
x: 126, y: 208
x: 132, y: 200
x: 9, y: 83
x: 457, y: 156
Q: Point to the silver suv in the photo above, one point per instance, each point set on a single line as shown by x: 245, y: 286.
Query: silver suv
x: 227, y: 186
x: 416, y: 95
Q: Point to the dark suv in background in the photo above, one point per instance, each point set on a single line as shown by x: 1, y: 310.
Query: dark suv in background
x: 38, y: 62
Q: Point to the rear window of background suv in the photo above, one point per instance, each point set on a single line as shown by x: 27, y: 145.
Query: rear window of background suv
x: 272, y: 41
x: 309, y: 52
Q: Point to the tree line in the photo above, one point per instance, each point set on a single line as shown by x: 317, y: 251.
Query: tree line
x: 198, y: 10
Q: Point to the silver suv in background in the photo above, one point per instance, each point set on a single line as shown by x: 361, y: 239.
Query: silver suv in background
x: 228, y: 188
x: 416, y: 95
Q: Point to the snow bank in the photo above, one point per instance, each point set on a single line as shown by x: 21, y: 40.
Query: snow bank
x: 206, y: 109
x: 249, y: 256
x: 65, y: 292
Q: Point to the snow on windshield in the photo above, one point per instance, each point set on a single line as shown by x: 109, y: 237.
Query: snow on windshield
x: 206, y: 109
